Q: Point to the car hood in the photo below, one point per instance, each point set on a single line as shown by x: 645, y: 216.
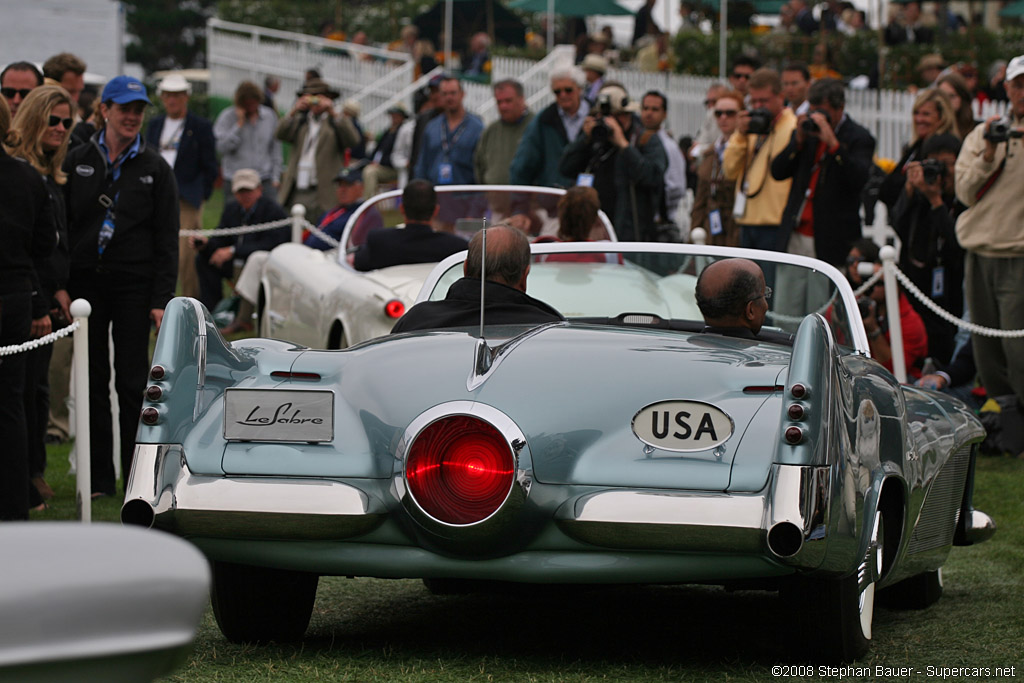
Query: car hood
x: 574, y: 391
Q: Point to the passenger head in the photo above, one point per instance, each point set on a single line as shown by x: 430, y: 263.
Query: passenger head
x: 508, y: 256
x: 577, y: 213
x: 732, y: 293
x: 419, y: 201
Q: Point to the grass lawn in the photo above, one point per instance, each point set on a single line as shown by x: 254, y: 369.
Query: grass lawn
x: 381, y: 630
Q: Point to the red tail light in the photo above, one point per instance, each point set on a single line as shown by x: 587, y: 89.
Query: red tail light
x: 394, y: 309
x: 460, y: 470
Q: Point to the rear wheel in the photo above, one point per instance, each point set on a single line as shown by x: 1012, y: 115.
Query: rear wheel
x: 260, y: 604
x: 919, y: 591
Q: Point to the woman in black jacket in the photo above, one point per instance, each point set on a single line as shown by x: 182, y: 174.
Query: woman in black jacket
x: 27, y: 233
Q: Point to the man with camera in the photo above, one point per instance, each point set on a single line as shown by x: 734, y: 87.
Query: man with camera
x: 623, y: 162
x: 989, y: 178
x: 762, y: 134
x: 828, y: 160
x: 924, y: 217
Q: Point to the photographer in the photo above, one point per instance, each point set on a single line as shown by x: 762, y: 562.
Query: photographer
x: 989, y: 178
x: 761, y: 135
x: 623, y: 162
x: 924, y: 218
x: 828, y: 159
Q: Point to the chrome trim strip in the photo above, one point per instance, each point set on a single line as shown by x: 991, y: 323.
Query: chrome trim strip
x: 250, y: 507
x: 487, y: 358
x: 200, y: 347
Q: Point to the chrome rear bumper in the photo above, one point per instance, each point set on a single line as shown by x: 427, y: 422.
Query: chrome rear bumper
x: 162, y: 492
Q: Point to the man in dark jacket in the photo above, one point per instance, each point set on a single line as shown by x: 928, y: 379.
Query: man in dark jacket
x: 417, y: 242
x: 186, y: 143
x: 122, y: 208
x: 505, y: 299
x: 216, y: 258
x: 828, y: 158
x: 625, y: 164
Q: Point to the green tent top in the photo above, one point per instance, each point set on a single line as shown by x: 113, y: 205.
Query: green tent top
x: 1013, y: 10
x: 760, y: 6
x: 572, y: 8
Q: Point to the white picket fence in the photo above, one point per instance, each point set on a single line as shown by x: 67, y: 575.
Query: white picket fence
x: 239, y: 51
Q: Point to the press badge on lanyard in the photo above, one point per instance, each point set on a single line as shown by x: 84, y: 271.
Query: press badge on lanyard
x: 445, y: 170
x: 938, y: 281
x: 715, y: 222
x: 739, y: 206
x: 585, y: 180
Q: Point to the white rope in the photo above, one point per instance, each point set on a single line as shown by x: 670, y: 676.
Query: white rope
x: 783, y: 318
x: 42, y: 341
x: 334, y: 244
x: 949, y: 317
x: 240, y: 230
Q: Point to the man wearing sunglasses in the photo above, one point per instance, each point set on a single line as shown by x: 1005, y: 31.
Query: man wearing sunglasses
x: 122, y: 207
x: 550, y: 132
x: 742, y: 69
x: 16, y: 81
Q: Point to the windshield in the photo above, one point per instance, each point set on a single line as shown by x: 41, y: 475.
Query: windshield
x: 463, y: 209
x: 614, y: 285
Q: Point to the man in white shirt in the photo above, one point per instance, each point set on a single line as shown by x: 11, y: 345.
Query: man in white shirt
x: 187, y: 144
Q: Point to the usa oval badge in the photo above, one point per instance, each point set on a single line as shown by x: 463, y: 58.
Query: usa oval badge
x: 682, y: 426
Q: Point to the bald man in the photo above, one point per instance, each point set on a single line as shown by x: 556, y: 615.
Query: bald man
x: 733, y: 298
x: 506, y: 300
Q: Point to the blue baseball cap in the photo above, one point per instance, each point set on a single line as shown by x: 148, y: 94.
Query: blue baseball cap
x: 124, y: 89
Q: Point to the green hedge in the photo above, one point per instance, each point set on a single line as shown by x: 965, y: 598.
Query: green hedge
x: 698, y: 53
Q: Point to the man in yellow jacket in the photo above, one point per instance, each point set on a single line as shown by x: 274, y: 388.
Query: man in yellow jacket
x: 762, y: 133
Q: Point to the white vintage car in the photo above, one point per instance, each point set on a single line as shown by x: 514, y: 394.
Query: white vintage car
x: 315, y: 298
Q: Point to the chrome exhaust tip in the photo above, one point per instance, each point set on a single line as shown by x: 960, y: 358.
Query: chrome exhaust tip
x: 138, y: 513
x: 785, y: 539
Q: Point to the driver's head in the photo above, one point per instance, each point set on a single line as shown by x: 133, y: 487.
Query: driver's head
x: 508, y: 256
x: 419, y: 201
x: 732, y: 293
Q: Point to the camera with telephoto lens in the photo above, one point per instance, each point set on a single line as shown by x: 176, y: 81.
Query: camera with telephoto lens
x: 933, y: 169
x: 601, y: 133
x: 810, y: 126
x: 1001, y: 131
x: 760, y: 122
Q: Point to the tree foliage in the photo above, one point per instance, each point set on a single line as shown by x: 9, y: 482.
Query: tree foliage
x: 167, y: 34
x: 380, y: 19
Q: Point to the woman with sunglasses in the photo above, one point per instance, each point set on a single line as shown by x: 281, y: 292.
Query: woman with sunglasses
x: 45, y: 121
x: 28, y: 237
x: 714, y: 195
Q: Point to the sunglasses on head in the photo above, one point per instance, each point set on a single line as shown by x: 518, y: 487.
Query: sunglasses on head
x: 559, y: 91
x: 726, y: 112
x: 54, y: 120
x: 9, y: 93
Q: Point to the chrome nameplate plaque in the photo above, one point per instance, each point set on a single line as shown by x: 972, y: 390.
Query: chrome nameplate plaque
x: 278, y: 415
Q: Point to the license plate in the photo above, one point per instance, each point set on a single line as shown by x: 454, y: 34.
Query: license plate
x: 278, y: 415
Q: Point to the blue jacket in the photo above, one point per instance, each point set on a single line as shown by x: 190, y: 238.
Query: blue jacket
x: 196, y: 167
x: 460, y: 155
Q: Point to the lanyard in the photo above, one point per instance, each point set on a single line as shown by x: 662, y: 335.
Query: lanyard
x: 450, y: 138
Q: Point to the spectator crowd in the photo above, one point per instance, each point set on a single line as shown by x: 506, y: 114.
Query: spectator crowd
x: 93, y: 200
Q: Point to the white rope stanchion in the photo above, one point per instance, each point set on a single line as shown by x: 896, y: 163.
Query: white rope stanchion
x: 892, y: 307
x: 80, y: 311
x: 298, y: 222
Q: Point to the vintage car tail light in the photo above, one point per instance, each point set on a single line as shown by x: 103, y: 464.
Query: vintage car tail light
x: 460, y: 470
x: 394, y: 309
x: 154, y: 392
x: 795, y: 411
x: 794, y: 435
x: 150, y: 416
x: 798, y: 391
x: 285, y: 374
x: 157, y: 372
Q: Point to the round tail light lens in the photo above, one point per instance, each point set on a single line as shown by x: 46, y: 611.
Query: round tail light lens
x: 460, y: 470
x: 394, y: 309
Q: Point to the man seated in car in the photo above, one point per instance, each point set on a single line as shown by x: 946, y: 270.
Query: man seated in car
x: 417, y: 242
x: 733, y: 298
x: 505, y: 297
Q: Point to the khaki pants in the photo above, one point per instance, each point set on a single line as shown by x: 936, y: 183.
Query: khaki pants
x: 191, y: 219
x: 60, y: 382
x: 374, y: 175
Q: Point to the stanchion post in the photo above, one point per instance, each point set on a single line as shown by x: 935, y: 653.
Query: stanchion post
x: 298, y: 222
x: 698, y: 236
x: 892, y: 311
x: 80, y: 311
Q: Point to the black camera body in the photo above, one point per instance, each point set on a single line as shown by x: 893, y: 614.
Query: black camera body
x: 933, y: 170
x: 810, y: 126
x: 1001, y: 131
x: 600, y: 134
x: 760, y: 122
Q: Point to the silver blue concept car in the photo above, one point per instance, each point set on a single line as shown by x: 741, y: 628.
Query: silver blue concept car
x: 624, y: 445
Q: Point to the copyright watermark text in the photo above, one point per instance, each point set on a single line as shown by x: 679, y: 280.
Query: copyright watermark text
x: 885, y: 672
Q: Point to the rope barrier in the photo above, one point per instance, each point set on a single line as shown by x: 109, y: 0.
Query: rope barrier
x: 949, y: 317
x: 41, y: 341
x: 334, y: 244
x: 868, y: 284
x: 239, y: 230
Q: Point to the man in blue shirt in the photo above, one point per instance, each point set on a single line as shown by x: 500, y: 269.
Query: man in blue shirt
x: 449, y: 141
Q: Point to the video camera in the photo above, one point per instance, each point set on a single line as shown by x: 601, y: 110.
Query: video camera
x: 1001, y: 131
x: 810, y: 126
